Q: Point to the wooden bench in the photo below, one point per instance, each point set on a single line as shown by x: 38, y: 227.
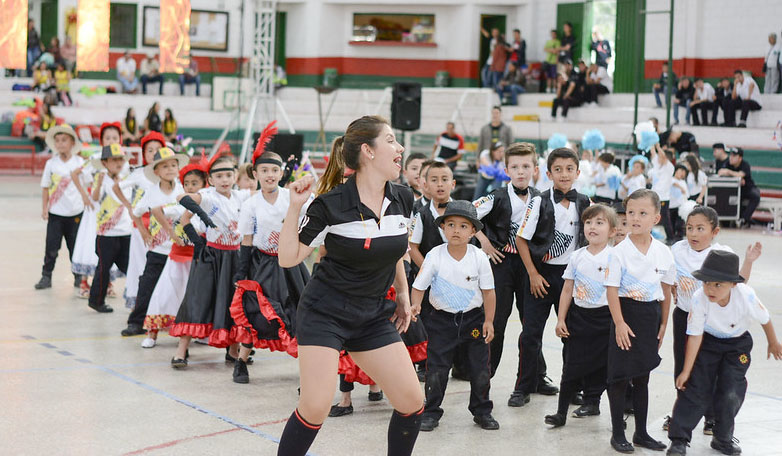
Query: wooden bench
x: 774, y: 206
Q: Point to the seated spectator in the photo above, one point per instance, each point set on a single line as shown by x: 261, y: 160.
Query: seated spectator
x: 661, y: 86
x: 42, y: 78
x: 153, y: 122
x: 723, y: 92
x: 130, y: 131
x: 512, y: 83
x: 549, y: 66
x: 602, y: 48
x: 62, y: 80
x: 169, y: 126
x: 750, y: 193
x: 68, y: 53
x: 598, y: 83
x: 449, y: 146
x: 720, y: 156
x: 518, y: 50
x: 677, y: 142
x: 126, y: 73
x: 571, y: 90
x: 190, y: 76
x: 682, y: 98
x: 280, y: 77
x: 150, y: 72
x: 47, y: 121
x: 703, y: 101
x: 745, y: 96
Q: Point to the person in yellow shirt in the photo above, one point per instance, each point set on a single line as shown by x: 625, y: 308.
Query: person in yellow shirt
x: 62, y: 81
x: 42, y: 78
x: 169, y: 126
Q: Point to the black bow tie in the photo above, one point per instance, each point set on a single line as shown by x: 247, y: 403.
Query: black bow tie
x: 519, y: 191
x: 442, y: 205
x: 571, y: 195
x: 416, y: 192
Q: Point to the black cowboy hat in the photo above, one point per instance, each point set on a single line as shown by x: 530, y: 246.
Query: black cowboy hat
x: 461, y: 208
x: 719, y: 266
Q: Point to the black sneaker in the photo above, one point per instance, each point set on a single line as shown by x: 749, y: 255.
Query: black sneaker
x: 556, y: 420
x: 240, y: 372
x: 546, y: 387
x: 586, y: 410
x: 648, y: 442
x: 101, y: 309
x: 428, y: 423
x: 622, y: 446
x: 708, y: 427
x: 486, y: 422
x: 178, y: 363
x: 518, y: 399
x: 133, y: 330
x: 76, y: 281
x: 578, y: 399
x: 375, y: 396
x: 726, y: 447
x: 45, y: 282
x: 337, y: 410
x: 677, y: 448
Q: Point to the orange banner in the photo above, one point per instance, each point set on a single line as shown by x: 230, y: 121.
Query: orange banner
x: 13, y: 40
x: 174, y: 36
x: 92, y: 39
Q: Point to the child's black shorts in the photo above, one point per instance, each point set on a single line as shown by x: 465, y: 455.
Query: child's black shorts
x: 329, y: 318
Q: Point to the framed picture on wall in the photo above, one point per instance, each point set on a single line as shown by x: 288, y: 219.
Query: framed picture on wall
x: 208, y: 29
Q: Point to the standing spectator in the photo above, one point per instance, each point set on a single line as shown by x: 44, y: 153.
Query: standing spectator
x: 54, y: 49
x: 771, y: 66
x: 68, y: 54
x: 499, y: 58
x: 190, y: 76
x: 682, y: 98
x: 745, y: 96
x: 494, y: 131
x: 126, y: 73
x: 150, y: 72
x: 450, y: 145
x: 723, y: 93
x: 153, y: 122
x: 62, y: 81
x: 598, y: 83
x: 518, y: 50
x: 493, y: 40
x: 33, y: 46
x: 512, y: 82
x: 568, y: 43
x: 130, y: 133
x: 570, y: 93
x: 661, y: 86
x: 169, y: 126
x: 602, y: 48
x: 703, y: 101
x: 720, y: 156
x: 551, y: 48
x: 750, y: 194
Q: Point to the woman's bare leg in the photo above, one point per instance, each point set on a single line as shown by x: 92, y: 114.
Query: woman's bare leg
x: 390, y: 367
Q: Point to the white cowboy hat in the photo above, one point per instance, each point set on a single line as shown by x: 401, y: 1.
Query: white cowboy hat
x: 163, y: 154
x: 66, y: 129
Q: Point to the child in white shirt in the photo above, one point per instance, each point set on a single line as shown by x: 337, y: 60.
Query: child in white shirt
x: 679, y: 194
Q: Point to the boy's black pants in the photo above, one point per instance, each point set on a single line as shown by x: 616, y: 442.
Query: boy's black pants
x: 58, y: 227
x: 509, y: 282
x: 111, y: 250
x: 448, y: 332
x: 679, y: 348
x: 146, y: 285
x: 721, y: 361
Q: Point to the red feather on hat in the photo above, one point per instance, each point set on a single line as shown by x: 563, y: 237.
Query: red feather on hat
x: 266, y: 136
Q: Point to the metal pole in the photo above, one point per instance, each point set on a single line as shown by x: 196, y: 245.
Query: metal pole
x: 669, y: 82
x: 639, y: 55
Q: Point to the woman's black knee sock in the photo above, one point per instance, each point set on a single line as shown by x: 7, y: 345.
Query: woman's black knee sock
x: 616, y: 400
x: 297, y: 437
x: 403, y: 432
x: 641, y: 403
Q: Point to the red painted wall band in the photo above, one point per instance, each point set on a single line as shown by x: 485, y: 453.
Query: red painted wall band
x: 706, y: 68
x: 382, y: 67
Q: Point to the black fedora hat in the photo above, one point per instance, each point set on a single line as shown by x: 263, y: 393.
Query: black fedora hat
x: 461, y: 208
x: 719, y: 266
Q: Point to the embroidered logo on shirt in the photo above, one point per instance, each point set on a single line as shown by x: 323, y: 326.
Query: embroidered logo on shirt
x: 743, y: 358
x: 472, y: 278
x: 475, y: 333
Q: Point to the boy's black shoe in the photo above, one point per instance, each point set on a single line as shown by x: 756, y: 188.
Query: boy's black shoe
x: 677, y: 448
x: 622, y: 447
x: 708, y: 427
x: 487, y: 422
x: 241, y: 375
x: 578, y: 399
x: 133, y: 330
x: 76, y: 281
x: 375, y: 396
x: 337, y: 410
x: 646, y: 441
x: 102, y: 309
x: 726, y: 447
x: 556, y: 420
x: 421, y: 376
x: 178, y: 363
x: 428, y: 423
x: 546, y: 387
x: 45, y: 282
x: 518, y: 399
x: 586, y: 410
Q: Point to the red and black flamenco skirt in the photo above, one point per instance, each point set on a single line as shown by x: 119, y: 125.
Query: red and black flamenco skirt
x: 265, y: 307
x: 205, y: 310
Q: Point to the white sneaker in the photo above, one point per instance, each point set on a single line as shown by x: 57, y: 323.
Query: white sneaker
x: 148, y: 343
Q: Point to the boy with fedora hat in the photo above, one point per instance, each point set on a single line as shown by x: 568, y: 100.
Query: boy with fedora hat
x: 718, y: 352
x: 461, y: 292
x: 62, y: 203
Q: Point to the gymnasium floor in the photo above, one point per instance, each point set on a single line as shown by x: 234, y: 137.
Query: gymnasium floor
x: 70, y: 384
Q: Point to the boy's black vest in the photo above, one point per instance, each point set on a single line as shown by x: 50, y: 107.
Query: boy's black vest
x: 497, y: 223
x: 431, y: 231
x: 541, y: 241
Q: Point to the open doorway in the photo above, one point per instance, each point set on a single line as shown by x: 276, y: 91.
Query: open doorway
x: 488, y: 22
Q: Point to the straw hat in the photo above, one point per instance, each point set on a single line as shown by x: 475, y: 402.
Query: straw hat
x: 162, y: 155
x: 62, y: 129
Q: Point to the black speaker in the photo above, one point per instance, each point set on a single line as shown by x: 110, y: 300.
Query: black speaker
x: 284, y: 144
x: 724, y: 196
x: 406, y: 106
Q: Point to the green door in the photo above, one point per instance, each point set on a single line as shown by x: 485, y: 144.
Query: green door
x: 279, y: 39
x: 48, y: 26
x: 580, y: 16
x: 629, y: 44
x: 489, y: 22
